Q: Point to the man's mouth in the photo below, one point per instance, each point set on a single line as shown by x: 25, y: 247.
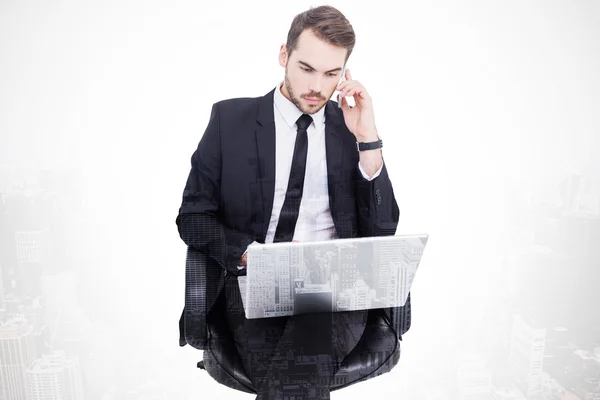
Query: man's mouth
x: 312, y: 100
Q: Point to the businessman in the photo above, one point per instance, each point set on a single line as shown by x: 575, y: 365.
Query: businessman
x: 290, y: 165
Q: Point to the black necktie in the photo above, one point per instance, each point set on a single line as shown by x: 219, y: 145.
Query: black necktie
x: 291, y: 205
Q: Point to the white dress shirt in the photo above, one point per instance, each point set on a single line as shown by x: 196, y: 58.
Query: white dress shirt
x: 314, y: 218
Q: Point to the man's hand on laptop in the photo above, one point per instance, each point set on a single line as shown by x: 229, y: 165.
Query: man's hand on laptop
x: 244, y: 261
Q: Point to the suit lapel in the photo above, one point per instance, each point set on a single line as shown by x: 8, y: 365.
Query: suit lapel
x: 334, y: 148
x: 265, y: 143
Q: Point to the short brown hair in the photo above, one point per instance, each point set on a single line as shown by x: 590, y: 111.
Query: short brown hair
x: 327, y: 23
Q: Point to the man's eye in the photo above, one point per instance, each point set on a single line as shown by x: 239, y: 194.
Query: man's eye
x: 307, y: 69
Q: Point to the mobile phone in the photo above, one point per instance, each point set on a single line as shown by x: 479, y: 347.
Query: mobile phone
x: 341, y: 80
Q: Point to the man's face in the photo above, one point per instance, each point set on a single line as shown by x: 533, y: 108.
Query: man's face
x: 312, y: 72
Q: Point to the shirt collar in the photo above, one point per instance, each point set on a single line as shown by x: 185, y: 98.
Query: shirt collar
x: 291, y: 113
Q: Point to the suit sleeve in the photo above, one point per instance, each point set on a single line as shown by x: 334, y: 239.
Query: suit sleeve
x: 378, y: 216
x: 198, y: 220
x: 378, y: 212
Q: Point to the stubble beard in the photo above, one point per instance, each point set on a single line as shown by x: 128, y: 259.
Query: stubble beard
x: 296, y: 101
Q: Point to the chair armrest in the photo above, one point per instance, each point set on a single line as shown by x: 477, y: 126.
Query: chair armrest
x: 204, y: 280
x: 400, y: 318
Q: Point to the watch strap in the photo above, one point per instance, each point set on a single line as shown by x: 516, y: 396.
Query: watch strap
x: 369, y: 145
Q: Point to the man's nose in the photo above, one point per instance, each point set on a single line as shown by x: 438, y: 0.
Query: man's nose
x: 316, y: 85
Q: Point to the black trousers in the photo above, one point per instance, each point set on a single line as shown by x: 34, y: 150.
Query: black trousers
x: 292, y: 356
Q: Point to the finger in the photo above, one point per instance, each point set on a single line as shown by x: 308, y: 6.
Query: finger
x: 342, y: 85
x: 345, y: 106
x: 360, y: 91
x: 349, y: 87
x: 348, y: 75
x: 354, y: 90
x: 348, y: 83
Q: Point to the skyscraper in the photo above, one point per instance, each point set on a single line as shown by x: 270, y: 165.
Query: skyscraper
x: 56, y: 377
x: 527, y: 355
x: 347, y: 266
x: 17, y: 351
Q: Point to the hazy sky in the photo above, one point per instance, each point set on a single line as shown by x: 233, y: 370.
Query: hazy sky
x: 472, y: 99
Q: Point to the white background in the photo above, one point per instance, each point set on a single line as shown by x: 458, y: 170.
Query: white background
x: 475, y: 101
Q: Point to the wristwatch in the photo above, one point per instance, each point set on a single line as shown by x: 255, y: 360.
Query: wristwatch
x: 369, y: 145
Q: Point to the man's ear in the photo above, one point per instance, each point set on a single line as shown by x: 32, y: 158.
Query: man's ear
x: 283, y: 56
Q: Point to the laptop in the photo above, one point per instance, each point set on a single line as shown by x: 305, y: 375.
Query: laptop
x: 291, y: 278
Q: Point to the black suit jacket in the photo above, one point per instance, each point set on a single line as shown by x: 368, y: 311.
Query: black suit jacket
x: 228, y: 199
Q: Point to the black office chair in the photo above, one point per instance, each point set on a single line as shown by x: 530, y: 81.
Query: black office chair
x: 377, y: 352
